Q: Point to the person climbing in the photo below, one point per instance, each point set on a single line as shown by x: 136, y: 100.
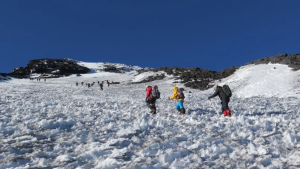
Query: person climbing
x: 225, y: 98
x: 179, y: 96
x: 101, y: 86
x: 150, y: 100
x: 107, y: 83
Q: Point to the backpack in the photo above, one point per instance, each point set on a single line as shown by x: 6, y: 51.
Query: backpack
x: 155, y: 93
x: 180, y: 94
x: 227, y: 90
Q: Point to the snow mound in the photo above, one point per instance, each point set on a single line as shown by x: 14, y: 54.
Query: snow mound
x: 263, y: 80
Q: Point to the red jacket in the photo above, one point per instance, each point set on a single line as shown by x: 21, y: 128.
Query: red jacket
x: 149, y: 91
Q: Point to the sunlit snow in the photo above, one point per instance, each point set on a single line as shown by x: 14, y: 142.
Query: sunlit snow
x: 56, y: 124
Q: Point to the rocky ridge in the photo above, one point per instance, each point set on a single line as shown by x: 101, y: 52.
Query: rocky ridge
x: 198, y: 78
x: 292, y: 60
x: 51, y: 68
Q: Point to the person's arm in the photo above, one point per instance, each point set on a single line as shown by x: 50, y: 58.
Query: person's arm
x: 173, y: 96
x: 215, y: 94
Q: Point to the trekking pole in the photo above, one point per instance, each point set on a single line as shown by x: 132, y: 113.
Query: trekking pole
x: 214, y: 107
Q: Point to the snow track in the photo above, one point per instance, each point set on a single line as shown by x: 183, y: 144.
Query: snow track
x: 55, y: 124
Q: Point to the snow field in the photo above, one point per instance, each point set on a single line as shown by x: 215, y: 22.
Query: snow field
x: 264, y: 80
x: 55, y: 124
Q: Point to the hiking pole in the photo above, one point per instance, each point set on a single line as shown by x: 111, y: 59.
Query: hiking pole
x: 214, y: 107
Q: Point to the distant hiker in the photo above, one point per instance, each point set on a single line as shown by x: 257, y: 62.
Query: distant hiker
x: 76, y: 83
x: 101, y: 86
x: 179, y: 96
x: 89, y: 85
x: 224, y: 94
x: 151, y: 96
x: 82, y: 83
x: 107, y: 83
x: 45, y: 80
x: 98, y: 82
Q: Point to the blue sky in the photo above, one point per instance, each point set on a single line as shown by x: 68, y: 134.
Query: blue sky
x: 213, y: 34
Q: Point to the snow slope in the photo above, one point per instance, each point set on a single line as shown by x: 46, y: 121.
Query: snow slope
x: 55, y: 124
x: 98, y: 67
x: 264, y: 80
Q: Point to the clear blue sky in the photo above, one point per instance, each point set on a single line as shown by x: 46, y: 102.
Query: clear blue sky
x: 211, y: 34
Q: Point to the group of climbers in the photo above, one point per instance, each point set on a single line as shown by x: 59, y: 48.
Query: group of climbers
x: 152, y: 94
x: 101, y: 84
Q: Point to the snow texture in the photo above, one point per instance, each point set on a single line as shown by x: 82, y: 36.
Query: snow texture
x: 56, y: 124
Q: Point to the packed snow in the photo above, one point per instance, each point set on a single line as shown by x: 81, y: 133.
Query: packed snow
x: 99, y: 67
x: 56, y: 124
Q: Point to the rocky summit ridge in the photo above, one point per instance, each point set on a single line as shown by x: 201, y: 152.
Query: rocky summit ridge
x: 196, y: 78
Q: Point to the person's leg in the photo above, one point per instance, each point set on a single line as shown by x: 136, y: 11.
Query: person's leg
x: 180, y: 103
x: 178, y: 106
x: 225, y: 108
x: 154, y: 108
x: 182, y: 110
x: 149, y: 105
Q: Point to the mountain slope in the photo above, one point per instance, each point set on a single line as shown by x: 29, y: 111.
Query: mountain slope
x: 263, y: 80
x: 198, y: 78
x: 55, y: 124
x: 112, y: 67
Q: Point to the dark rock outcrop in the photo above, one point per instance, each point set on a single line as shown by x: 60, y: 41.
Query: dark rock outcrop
x: 195, y: 78
x: 151, y: 78
x: 292, y: 60
x: 111, y: 68
x: 55, y: 67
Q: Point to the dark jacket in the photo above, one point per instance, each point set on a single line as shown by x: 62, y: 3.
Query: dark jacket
x: 219, y: 92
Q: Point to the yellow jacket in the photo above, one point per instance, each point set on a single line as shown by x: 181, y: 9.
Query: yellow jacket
x: 175, y: 94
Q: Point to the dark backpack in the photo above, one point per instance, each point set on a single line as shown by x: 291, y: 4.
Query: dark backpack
x: 155, y: 93
x: 180, y: 94
x: 227, y: 90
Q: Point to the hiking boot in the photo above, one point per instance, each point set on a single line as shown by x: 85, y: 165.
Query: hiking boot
x: 182, y: 111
